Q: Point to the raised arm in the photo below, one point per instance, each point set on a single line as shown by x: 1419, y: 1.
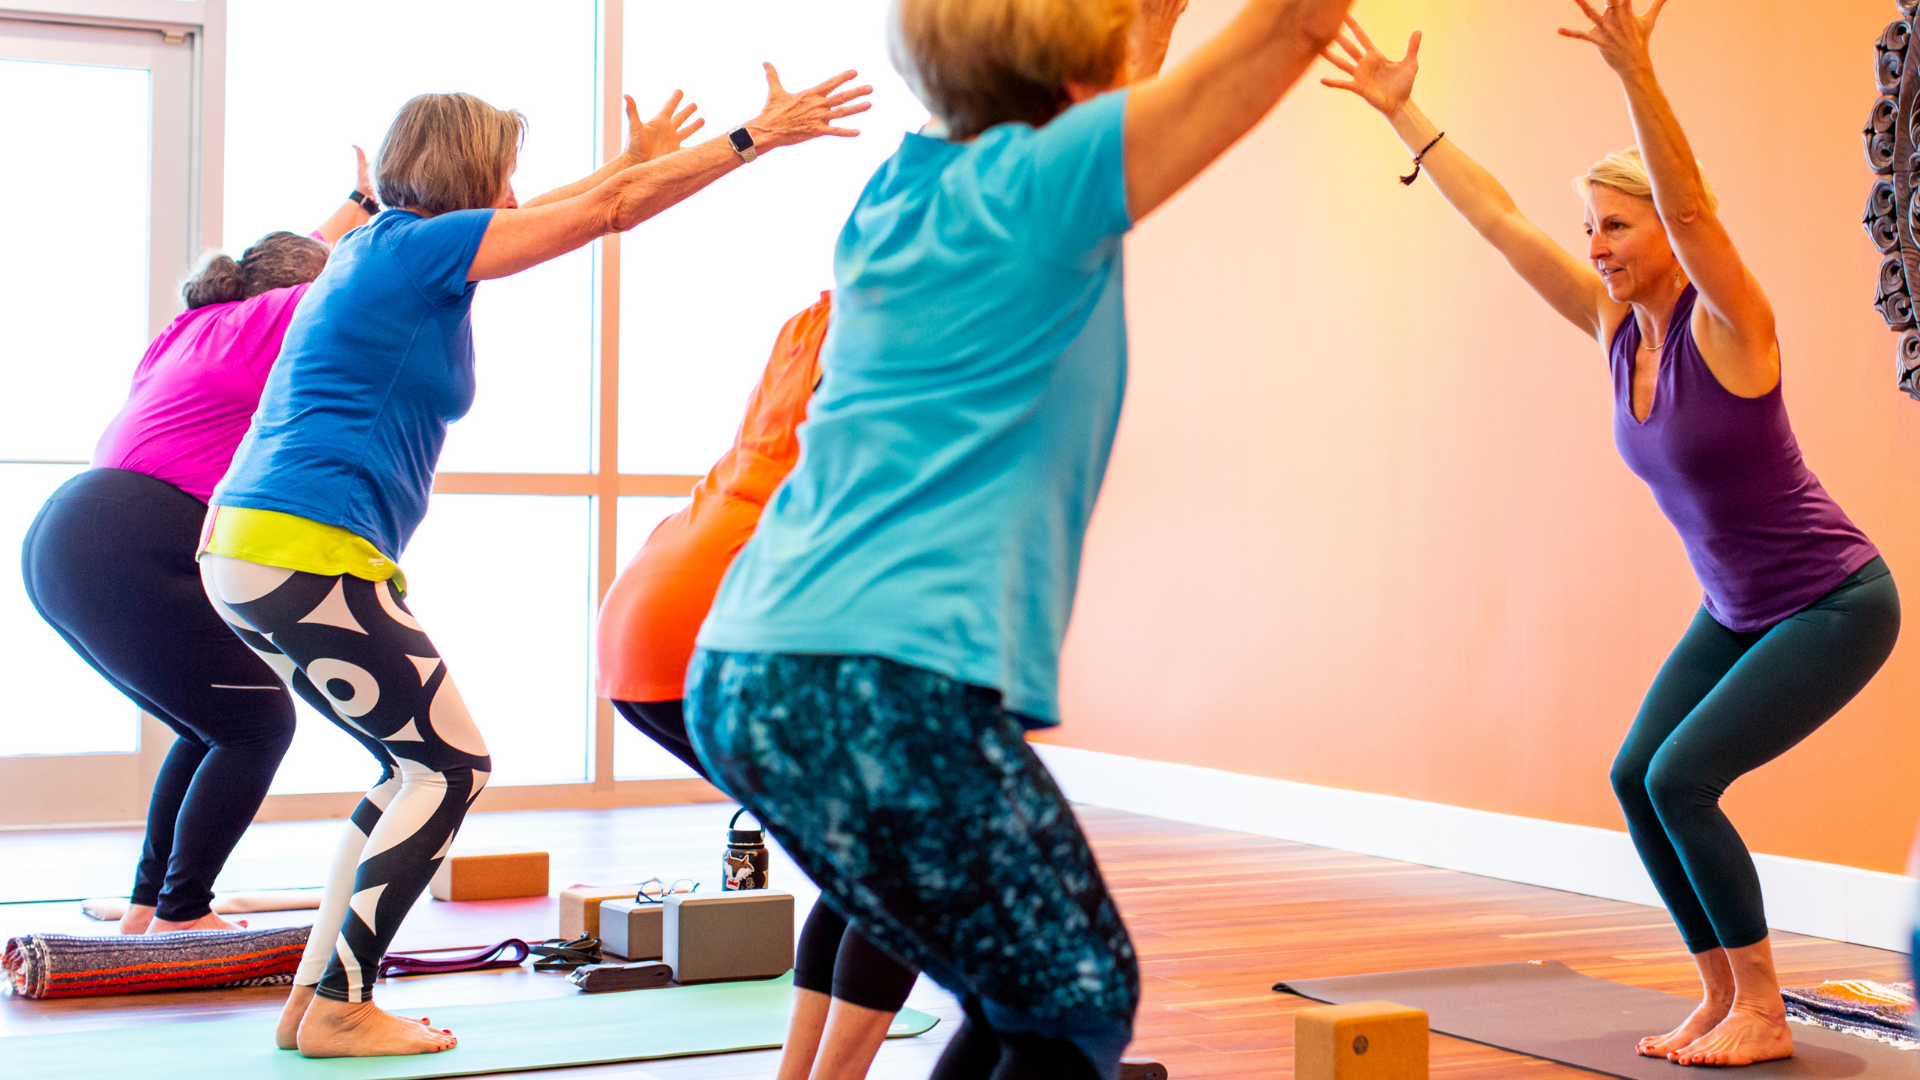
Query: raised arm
x: 655, y: 138
x: 519, y: 238
x: 352, y: 213
x: 1179, y: 122
x: 1738, y: 325
x: 1570, y: 286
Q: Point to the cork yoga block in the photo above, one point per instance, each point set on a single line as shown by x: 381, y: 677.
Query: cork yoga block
x: 501, y: 876
x: 1367, y: 1040
x: 580, y: 908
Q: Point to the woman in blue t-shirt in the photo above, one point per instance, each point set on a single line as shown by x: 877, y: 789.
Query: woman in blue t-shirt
x: 875, y: 654
x: 300, y: 546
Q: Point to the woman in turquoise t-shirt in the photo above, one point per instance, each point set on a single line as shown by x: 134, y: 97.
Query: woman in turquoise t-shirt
x: 875, y: 654
x: 299, y: 549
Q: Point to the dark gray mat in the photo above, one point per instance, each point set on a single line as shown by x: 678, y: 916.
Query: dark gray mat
x: 1548, y: 1010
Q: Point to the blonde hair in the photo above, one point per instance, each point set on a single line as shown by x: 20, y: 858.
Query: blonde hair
x: 977, y: 63
x: 448, y: 152
x: 1626, y: 172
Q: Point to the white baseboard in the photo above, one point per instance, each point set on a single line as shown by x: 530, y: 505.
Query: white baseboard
x: 1827, y: 900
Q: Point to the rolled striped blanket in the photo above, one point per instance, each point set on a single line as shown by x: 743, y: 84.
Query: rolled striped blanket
x: 1880, y: 1011
x: 69, y: 965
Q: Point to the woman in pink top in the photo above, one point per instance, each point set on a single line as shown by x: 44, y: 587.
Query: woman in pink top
x: 109, y: 563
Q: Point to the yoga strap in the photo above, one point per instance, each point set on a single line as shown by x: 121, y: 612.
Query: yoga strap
x: 486, y: 959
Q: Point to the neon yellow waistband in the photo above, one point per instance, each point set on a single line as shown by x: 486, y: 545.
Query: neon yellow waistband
x: 272, y: 538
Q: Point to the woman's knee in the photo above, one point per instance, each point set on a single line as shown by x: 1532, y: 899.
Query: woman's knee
x: 1675, y: 784
x: 1629, y: 777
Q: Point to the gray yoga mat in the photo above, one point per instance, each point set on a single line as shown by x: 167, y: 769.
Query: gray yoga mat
x: 1548, y: 1010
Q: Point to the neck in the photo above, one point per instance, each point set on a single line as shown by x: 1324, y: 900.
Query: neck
x: 1655, y: 313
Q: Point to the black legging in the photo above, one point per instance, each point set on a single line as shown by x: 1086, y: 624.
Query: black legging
x: 831, y: 957
x: 109, y: 564
x: 1723, y: 705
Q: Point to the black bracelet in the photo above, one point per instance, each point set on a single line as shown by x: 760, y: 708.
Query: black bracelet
x: 1420, y: 157
x: 366, y: 203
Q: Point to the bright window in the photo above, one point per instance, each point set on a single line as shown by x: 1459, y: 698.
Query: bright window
x: 705, y: 287
x: 533, y: 333
x: 73, y: 286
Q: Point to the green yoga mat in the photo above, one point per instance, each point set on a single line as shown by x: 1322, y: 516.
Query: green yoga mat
x: 591, y: 1029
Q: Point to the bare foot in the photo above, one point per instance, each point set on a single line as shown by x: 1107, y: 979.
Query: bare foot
x: 1703, y: 1019
x: 337, y: 1029
x: 209, y: 921
x: 1743, y: 1038
x: 136, y: 919
x: 287, y: 1035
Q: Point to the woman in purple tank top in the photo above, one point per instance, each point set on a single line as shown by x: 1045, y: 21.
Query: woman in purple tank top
x: 109, y: 563
x: 1799, y: 609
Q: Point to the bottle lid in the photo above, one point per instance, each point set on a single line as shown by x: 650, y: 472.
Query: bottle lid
x: 744, y: 837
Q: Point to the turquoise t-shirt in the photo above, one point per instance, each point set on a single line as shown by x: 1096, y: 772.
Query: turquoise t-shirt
x: 377, y: 361
x: 974, y: 371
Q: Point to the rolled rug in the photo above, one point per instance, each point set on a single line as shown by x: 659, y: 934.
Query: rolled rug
x: 1890, y: 52
x: 69, y: 965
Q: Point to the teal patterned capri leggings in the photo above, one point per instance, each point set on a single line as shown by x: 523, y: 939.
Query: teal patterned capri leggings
x: 915, y: 803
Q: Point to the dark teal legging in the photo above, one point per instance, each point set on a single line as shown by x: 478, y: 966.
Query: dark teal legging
x: 1724, y: 704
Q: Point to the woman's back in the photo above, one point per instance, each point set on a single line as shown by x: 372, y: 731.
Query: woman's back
x: 195, y: 391
x: 974, y: 374
x: 651, y: 615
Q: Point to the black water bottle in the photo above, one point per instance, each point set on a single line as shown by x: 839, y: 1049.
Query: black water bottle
x: 745, y: 864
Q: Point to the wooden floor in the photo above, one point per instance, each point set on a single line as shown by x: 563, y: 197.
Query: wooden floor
x: 1217, y: 917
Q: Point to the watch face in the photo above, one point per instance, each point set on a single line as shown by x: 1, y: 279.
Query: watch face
x: 740, y: 139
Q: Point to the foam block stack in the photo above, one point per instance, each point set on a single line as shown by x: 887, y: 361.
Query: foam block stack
x: 1367, y: 1040
x: 498, y: 876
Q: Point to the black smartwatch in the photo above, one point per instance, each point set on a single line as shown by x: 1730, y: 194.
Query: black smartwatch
x: 742, y: 142
x: 366, y: 203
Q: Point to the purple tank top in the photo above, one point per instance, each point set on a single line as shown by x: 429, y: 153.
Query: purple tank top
x: 1765, y: 539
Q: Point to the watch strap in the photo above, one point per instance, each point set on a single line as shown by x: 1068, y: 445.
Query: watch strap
x: 739, y: 135
x: 366, y: 203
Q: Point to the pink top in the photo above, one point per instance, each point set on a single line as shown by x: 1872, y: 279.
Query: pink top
x: 195, y: 391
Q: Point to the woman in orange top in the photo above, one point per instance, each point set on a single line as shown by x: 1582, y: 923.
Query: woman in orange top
x: 846, y: 988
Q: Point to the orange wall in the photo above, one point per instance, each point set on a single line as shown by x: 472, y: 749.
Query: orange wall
x: 1365, y: 525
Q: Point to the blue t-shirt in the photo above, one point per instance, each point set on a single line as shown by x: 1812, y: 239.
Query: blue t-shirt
x: 377, y: 362
x: 974, y: 370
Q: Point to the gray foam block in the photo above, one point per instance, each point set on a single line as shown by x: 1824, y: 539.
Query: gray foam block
x: 631, y: 928
x: 747, y: 934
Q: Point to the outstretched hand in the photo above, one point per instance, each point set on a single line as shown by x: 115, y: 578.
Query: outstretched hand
x: 1621, y: 36
x: 795, y: 118
x: 662, y: 135
x: 1382, y: 83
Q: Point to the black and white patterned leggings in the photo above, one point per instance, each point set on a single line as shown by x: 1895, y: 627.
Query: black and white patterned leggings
x: 352, y: 649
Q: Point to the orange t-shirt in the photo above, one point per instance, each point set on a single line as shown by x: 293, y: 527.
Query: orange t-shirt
x: 654, y: 610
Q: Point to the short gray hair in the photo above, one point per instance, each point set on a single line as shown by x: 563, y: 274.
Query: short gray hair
x: 448, y: 152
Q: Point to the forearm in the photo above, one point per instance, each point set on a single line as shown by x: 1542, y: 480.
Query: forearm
x: 617, y: 164
x: 640, y: 192
x: 344, y: 220
x: 1679, y: 191
x: 1466, y: 185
